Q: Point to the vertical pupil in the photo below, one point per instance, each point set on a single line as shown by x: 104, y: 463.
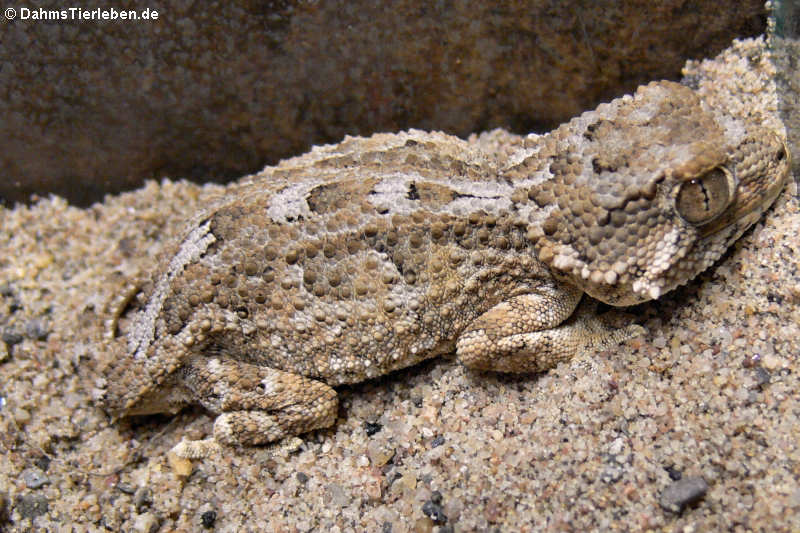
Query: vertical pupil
x: 700, y: 200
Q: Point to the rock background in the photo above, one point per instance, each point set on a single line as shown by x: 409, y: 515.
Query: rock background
x: 213, y: 91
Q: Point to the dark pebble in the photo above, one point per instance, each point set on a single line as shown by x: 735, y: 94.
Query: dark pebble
x: 762, y: 377
x: 683, y: 493
x: 142, y: 499
x: 434, y: 511
x: 301, y: 477
x: 372, y: 427
x: 126, y: 488
x: 11, y: 337
x: 42, y: 462
x: 208, y: 518
x: 674, y: 473
x: 32, y: 505
x: 438, y: 441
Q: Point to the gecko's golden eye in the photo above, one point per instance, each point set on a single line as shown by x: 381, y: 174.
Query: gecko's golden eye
x: 701, y: 200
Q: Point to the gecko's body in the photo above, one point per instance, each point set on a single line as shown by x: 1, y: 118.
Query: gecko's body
x: 367, y: 256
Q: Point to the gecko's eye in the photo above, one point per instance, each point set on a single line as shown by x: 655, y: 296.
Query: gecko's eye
x: 701, y: 200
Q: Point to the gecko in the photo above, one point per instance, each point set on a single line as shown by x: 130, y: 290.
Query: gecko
x: 364, y: 257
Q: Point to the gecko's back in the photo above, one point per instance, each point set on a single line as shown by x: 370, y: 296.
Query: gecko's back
x: 367, y: 256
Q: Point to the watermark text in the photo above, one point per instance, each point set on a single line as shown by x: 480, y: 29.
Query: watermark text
x: 79, y: 14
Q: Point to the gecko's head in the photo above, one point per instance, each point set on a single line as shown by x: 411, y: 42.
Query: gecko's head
x: 652, y: 192
x: 135, y: 384
x: 125, y: 381
x: 132, y: 389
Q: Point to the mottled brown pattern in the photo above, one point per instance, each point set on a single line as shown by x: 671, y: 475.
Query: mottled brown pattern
x: 364, y: 257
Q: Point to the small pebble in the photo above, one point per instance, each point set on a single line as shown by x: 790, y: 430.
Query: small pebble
x: 408, y: 481
x: 762, y: 377
x: 36, y: 330
x: 612, y: 473
x: 146, y: 523
x: 34, y: 478
x: 208, y: 518
x: 126, y: 488
x: 11, y: 337
x: 32, y: 505
x: 772, y: 362
x: 14, y: 306
x: 180, y: 465
x: 434, y: 511
x: 379, y: 453
x: 22, y: 416
x: 143, y: 498
x: 674, y: 473
x: 335, y: 495
x: 43, y: 462
x: 680, y: 494
x: 372, y: 427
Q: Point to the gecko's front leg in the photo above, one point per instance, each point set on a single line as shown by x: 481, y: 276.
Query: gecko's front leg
x: 534, y: 332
